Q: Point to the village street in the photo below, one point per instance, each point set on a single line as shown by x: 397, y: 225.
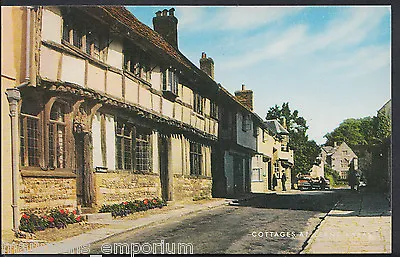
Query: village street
x: 274, y: 223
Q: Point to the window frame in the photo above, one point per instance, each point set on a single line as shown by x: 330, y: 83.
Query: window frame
x: 120, y: 147
x: 196, y: 159
x: 259, y: 175
x: 214, y: 110
x: 55, y: 125
x: 170, y: 82
x: 246, y: 124
x: 139, y: 142
x: 198, y: 103
x: 87, y: 35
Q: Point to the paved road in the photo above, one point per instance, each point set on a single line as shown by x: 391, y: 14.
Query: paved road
x: 267, y: 224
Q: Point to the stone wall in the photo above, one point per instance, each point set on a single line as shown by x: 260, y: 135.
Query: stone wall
x: 40, y: 194
x: 115, y: 187
x: 186, y: 188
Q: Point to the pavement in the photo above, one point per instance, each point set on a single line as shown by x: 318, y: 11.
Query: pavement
x: 359, y: 223
x: 80, y: 243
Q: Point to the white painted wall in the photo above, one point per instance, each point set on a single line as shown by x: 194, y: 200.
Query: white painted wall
x: 115, y: 57
x: 110, y: 142
x: 155, y: 155
x: 52, y: 25
x: 73, y: 70
x: 156, y: 82
x: 96, y: 137
x: 49, y: 63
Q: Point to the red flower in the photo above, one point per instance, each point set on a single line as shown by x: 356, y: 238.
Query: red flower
x: 25, y: 216
x: 67, y: 211
x: 146, y: 202
x: 74, y: 212
x: 154, y: 201
x: 51, y: 219
x: 62, y: 211
x: 125, y: 203
x: 78, y: 218
x: 44, y: 217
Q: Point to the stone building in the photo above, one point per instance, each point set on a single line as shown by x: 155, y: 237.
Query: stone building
x: 105, y: 109
x: 339, y: 157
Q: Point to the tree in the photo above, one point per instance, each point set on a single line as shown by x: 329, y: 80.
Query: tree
x: 362, y: 131
x: 305, y: 151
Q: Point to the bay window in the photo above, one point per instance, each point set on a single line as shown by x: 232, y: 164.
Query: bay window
x: 170, y: 81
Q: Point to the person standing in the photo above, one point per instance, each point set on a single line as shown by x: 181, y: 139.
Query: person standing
x: 274, y: 182
x: 352, y: 179
x: 283, y: 179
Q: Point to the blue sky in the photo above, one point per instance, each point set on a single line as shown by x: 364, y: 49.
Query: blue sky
x: 330, y: 63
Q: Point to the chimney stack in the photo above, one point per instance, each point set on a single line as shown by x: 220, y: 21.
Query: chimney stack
x: 245, y: 97
x: 166, y: 24
x: 207, y: 65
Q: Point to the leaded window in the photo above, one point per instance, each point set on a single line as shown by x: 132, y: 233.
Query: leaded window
x: 30, y: 136
x: 123, y: 135
x: 170, y: 81
x: 143, y: 151
x: 57, y: 142
x: 195, y: 159
x: 214, y: 110
x: 198, y: 103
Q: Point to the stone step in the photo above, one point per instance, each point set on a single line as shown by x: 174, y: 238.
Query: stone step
x: 98, y: 217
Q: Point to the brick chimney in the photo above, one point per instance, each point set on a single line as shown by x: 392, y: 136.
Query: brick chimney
x: 166, y: 24
x: 245, y: 97
x: 207, y: 65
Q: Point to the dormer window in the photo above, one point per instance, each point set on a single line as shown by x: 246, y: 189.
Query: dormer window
x: 170, y: 83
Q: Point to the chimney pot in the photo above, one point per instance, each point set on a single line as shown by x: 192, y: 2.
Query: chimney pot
x: 167, y: 26
x: 245, y: 97
x: 207, y: 65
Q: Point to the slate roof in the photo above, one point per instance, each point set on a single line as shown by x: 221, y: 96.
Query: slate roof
x: 275, y: 127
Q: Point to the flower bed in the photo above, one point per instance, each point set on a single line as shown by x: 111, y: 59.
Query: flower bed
x: 128, y: 207
x: 31, y: 222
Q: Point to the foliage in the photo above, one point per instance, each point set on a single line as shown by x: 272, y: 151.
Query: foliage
x: 56, y: 218
x: 305, y: 151
x: 333, y: 176
x: 128, y: 207
x: 363, y: 131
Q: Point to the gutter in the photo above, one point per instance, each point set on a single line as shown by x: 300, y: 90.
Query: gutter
x: 13, y: 97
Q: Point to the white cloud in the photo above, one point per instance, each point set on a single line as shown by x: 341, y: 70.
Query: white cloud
x: 231, y: 18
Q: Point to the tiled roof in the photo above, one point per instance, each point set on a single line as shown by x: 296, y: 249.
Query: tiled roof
x: 124, y: 16
x: 275, y: 127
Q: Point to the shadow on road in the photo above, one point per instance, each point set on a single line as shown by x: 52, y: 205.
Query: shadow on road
x: 349, y: 203
x: 311, y: 201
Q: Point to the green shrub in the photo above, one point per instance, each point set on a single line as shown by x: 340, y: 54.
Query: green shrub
x: 128, y: 207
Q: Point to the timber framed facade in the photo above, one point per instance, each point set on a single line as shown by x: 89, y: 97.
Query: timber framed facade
x: 105, y: 109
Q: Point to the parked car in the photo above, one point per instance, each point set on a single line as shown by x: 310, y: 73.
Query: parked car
x: 304, y: 183
x: 317, y: 184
